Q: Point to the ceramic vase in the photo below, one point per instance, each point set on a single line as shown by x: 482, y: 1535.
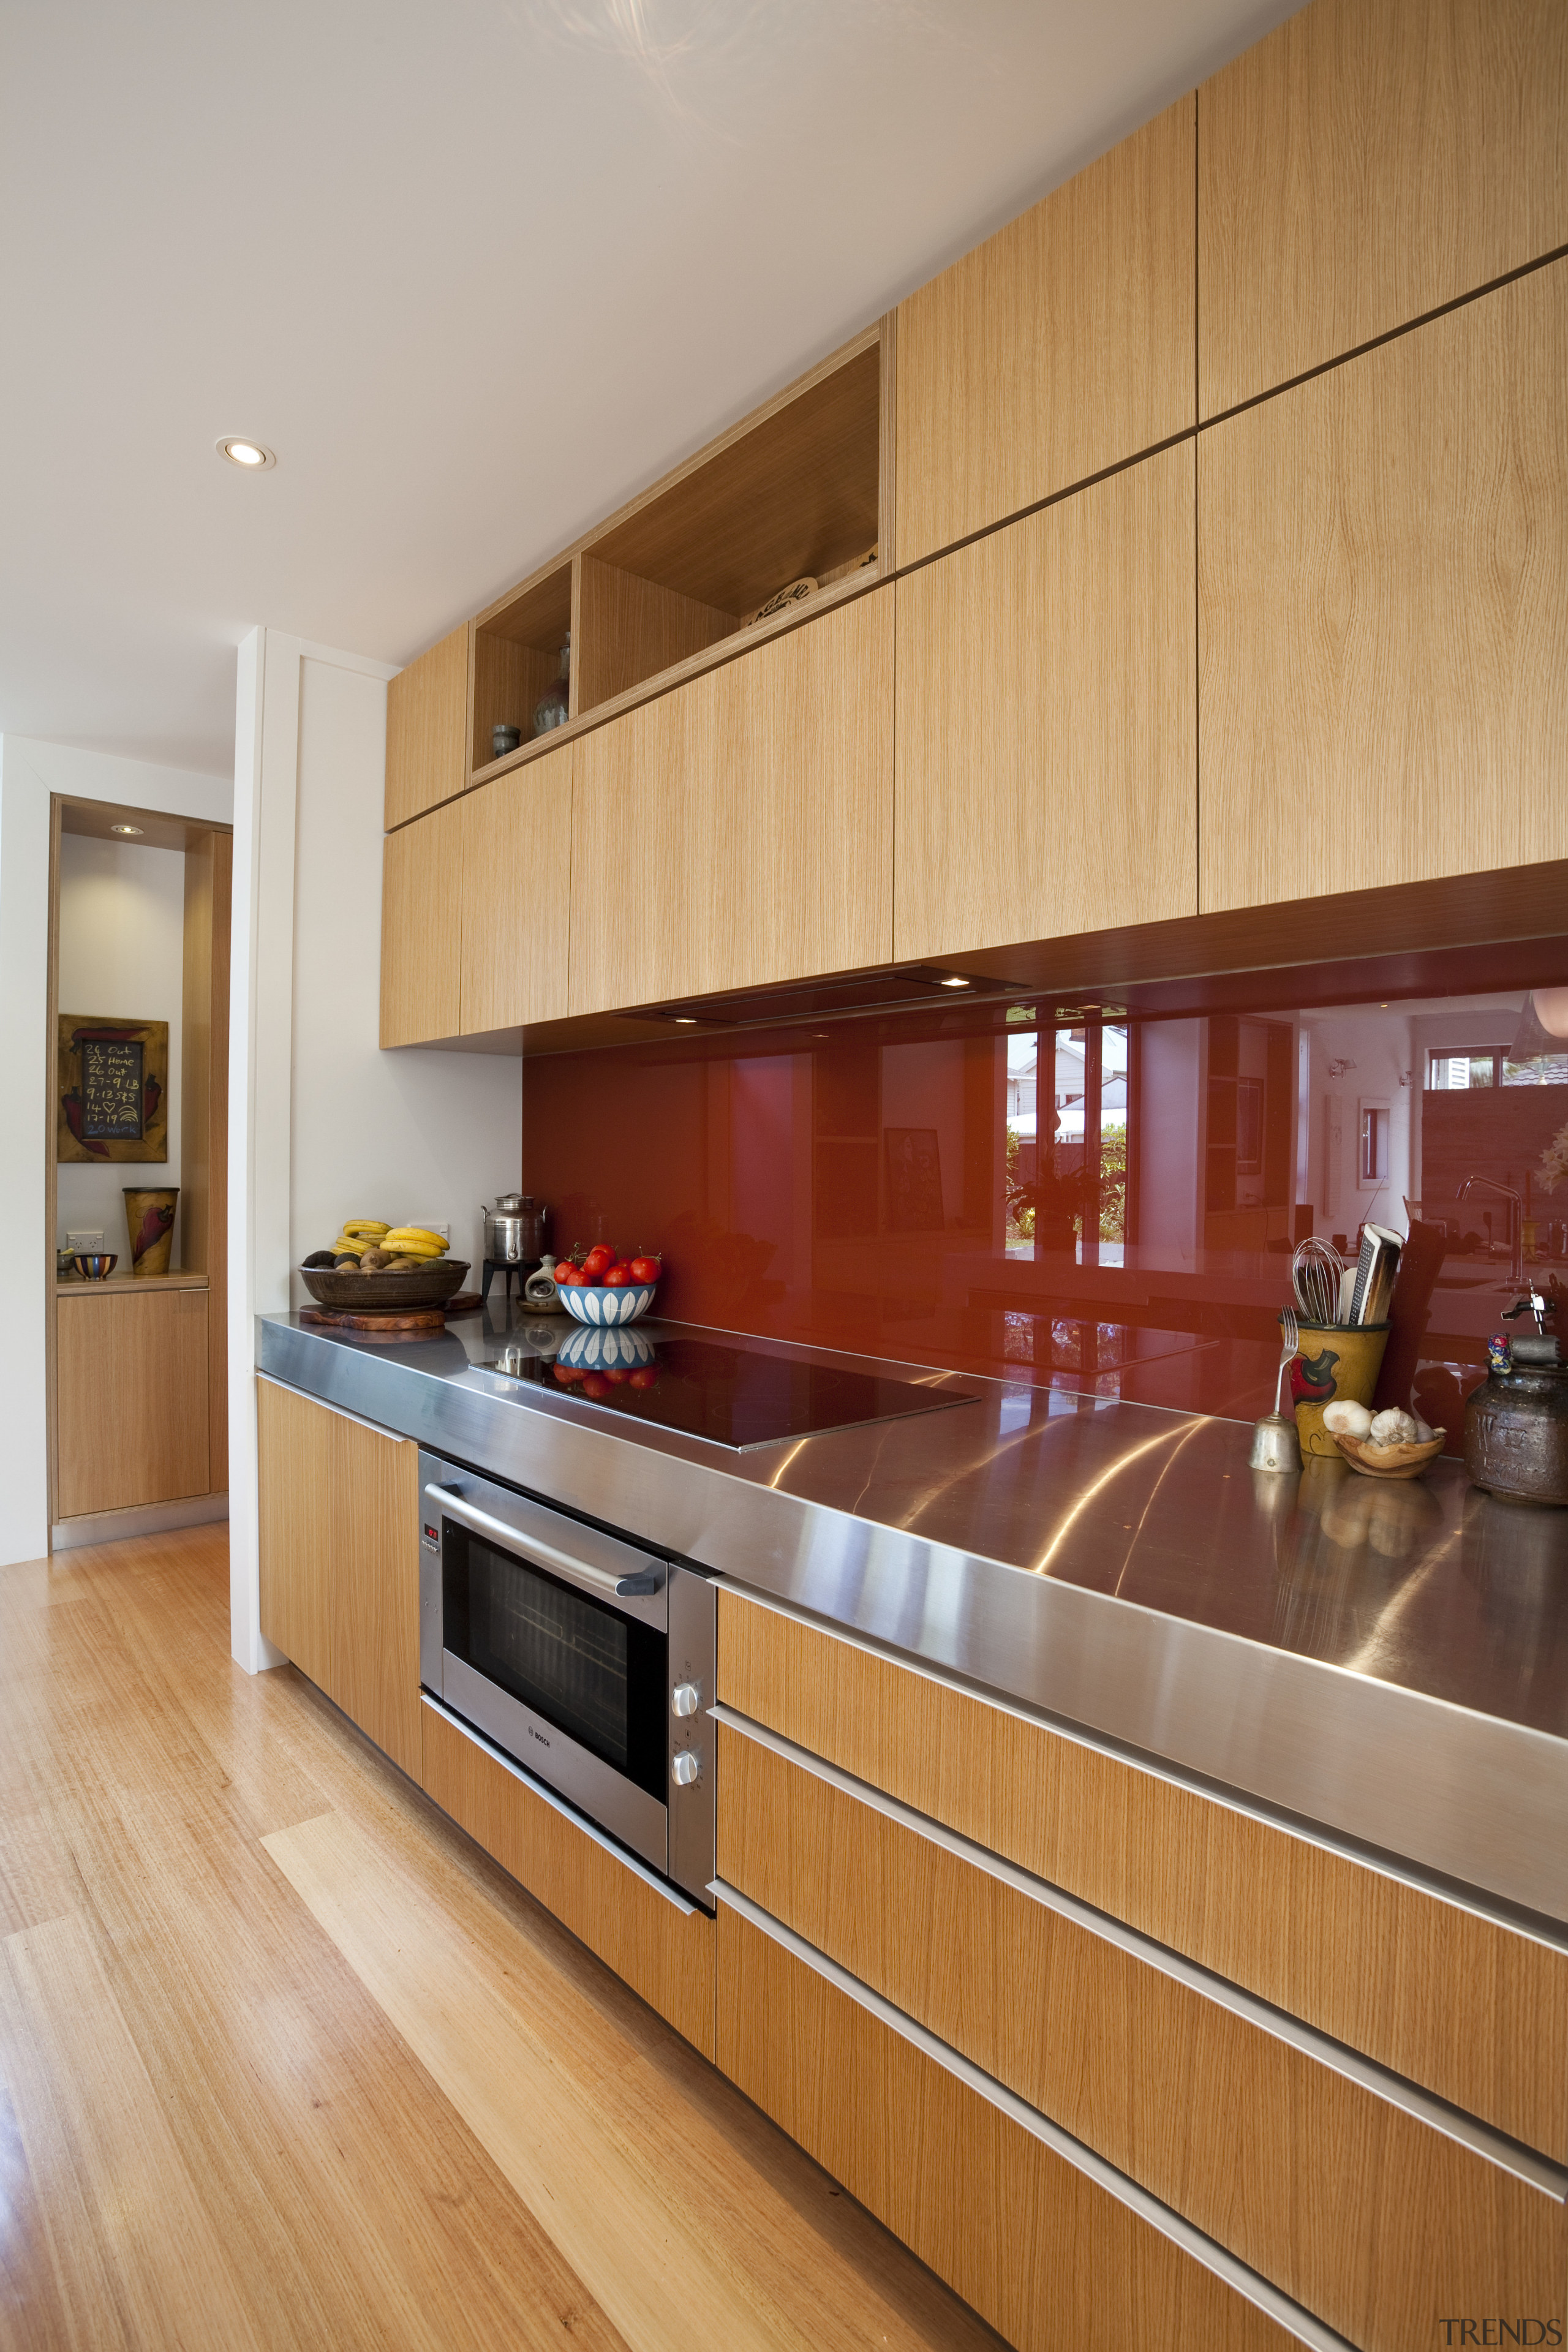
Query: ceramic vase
x: 149, y: 1222
x: 1333, y: 1364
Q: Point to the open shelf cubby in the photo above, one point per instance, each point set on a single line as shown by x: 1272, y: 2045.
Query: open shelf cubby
x: 517, y: 654
x: 795, y: 491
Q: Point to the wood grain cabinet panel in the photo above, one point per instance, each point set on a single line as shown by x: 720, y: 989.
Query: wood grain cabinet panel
x: 340, y: 1561
x: 1383, y: 612
x: 1365, y: 2213
x: 514, y: 906
x: 427, y: 729
x: 294, y: 1443
x: 421, y: 929
x: 1060, y: 346
x: 1046, y: 778
x: 1456, y: 2001
x: 663, y: 1953
x: 1045, y: 2253
x: 1364, y: 163
x: 738, y: 830
x: 131, y: 1385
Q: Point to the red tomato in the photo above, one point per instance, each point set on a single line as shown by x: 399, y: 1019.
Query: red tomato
x: 595, y: 1385
x: 645, y: 1269
x: 566, y: 1373
x: 598, y: 1262
x: 618, y: 1278
x: 566, y: 1276
x: 617, y: 1375
x: 645, y: 1377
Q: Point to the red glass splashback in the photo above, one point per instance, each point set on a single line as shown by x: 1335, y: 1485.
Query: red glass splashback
x: 1100, y: 1194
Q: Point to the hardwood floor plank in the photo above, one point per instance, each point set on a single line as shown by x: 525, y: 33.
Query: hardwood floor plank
x: 134, y: 2257
x: 571, y: 2126
x: 356, y: 2208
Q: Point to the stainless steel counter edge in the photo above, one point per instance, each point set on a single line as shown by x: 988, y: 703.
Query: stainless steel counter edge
x: 1462, y: 1794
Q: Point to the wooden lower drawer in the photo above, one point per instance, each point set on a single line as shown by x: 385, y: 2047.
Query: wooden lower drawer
x: 1041, y: 2250
x: 662, y: 1950
x: 1365, y: 2213
x: 1460, y: 2003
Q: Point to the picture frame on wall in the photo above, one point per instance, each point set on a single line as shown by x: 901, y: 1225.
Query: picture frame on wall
x: 112, y: 1093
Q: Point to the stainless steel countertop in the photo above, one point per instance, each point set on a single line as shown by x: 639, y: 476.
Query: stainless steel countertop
x: 1389, y: 1662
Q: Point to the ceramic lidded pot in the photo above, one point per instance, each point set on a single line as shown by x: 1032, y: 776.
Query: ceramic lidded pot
x: 1516, y: 1426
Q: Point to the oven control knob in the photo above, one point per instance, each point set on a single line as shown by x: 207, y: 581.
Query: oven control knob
x: 687, y: 1699
x: 685, y: 1766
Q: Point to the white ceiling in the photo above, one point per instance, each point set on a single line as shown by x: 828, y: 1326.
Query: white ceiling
x: 475, y: 269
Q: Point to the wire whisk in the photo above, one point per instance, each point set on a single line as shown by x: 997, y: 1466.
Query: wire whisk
x: 1316, y: 1270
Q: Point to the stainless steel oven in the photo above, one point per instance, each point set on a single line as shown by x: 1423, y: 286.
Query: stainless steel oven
x: 586, y: 1658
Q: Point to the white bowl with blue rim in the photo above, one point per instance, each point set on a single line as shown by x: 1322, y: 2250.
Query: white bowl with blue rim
x: 597, y: 1303
x: 611, y: 1348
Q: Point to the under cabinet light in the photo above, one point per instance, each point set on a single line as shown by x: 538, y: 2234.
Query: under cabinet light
x: 132, y: 831
x: 955, y: 982
x: 252, y: 455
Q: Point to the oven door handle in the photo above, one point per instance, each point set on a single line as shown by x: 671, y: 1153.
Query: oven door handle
x: 623, y: 1588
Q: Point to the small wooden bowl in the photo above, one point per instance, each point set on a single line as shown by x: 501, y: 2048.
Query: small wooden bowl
x: 1388, y: 1461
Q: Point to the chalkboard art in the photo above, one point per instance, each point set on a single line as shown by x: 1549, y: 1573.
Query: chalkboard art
x: 114, y: 1090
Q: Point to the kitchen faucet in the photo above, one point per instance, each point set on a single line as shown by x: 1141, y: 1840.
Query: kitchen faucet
x: 1516, y: 1262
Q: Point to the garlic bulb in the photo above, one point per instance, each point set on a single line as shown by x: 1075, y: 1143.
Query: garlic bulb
x: 1423, y: 1435
x: 1345, y: 1419
x: 1392, y: 1428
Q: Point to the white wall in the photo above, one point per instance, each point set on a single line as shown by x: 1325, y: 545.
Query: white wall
x: 322, y: 1124
x: 30, y: 771
x: 121, y: 952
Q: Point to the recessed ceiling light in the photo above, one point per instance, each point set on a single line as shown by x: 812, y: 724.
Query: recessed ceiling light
x: 253, y: 456
x: 134, y: 830
x: 955, y: 983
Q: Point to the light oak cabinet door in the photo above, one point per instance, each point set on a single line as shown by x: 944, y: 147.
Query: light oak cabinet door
x: 738, y: 830
x: 1241, y: 2131
x: 515, y: 896
x: 1052, y: 2258
x: 340, y: 1561
x: 1451, y: 1999
x: 427, y: 729
x: 131, y: 1390
x: 1060, y: 346
x: 1046, y: 722
x: 1383, y: 612
x: 1365, y: 163
x: 421, y: 929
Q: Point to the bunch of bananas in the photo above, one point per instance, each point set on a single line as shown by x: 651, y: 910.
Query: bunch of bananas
x: 374, y: 1246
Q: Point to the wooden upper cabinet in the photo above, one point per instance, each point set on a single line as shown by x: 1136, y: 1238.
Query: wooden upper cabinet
x: 1365, y: 163
x: 738, y: 830
x: 421, y: 929
x: 1060, y: 346
x: 427, y: 729
x: 1383, y: 612
x: 1046, y: 722
x: 514, y: 920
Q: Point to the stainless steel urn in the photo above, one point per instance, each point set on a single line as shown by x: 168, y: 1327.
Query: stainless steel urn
x: 514, y: 1230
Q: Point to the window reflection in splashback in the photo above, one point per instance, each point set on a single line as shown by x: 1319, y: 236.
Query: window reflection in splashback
x: 1102, y: 1195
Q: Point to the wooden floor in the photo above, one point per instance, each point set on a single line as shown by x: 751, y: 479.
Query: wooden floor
x: 286, y: 2061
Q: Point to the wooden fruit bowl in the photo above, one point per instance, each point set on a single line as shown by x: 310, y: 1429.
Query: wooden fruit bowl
x: 331, y: 1285
x: 1388, y: 1461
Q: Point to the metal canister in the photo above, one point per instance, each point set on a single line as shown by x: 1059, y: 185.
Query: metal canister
x: 1516, y: 1427
x: 514, y: 1230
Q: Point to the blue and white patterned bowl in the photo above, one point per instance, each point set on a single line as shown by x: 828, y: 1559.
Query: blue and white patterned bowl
x: 592, y: 1303
x: 606, y: 1351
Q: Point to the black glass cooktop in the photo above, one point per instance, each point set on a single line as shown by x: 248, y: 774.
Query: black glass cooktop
x: 728, y: 1395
